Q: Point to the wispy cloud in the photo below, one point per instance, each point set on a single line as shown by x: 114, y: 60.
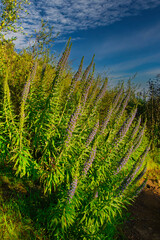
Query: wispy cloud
x: 154, y: 71
x: 133, y: 63
x: 137, y: 39
x: 139, y: 78
x: 71, y: 15
x: 68, y: 16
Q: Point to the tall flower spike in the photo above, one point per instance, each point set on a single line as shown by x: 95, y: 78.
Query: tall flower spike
x: 125, y: 127
x: 106, y: 120
x: 142, y: 158
x: 24, y: 98
x: 118, y: 106
x: 92, y: 75
x: 138, y: 141
x: 78, y: 73
x: 67, y: 55
x: 101, y: 92
x: 88, y: 85
x: 141, y: 187
x: 84, y: 77
x: 135, y: 130
x: 118, y: 138
x: 88, y: 163
x: 139, y: 138
x: 28, y: 83
x: 133, y: 147
x: 124, y: 104
x: 94, y: 92
x: 117, y: 97
x: 72, y: 124
x: 93, y: 133
x: 72, y: 189
x: 7, y: 105
x: 128, y: 124
x: 135, y: 170
x: 86, y: 92
x: 140, y: 175
x: 62, y: 60
x: 124, y: 160
x: 73, y: 85
x: 126, y: 180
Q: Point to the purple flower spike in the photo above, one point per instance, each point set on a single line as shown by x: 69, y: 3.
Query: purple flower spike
x: 141, y: 187
x: 93, y: 133
x: 72, y: 124
x: 96, y: 194
x: 87, y: 70
x: 78, y: 73
x: 116, y: 109
x: 134, y: 171
x: 67, y: 55
x: 126, y: 181
x: 26, y: 90
x: 136, y: 128
x: 90, y: 161
x: 64, y: 57
x: 117, y: 97
x: 140, y: 175
x: 124, y: 105
x: 139, y: 138
x: 101, y: 93
x: 76, y: 78
x: 28, y: 83
x: 94, y: 91
x: 84, y: 98
x: 106, y: 120
x: 72, y: 189
x: 142, y: 158
x: 124, y: 160
x: 125, y: 127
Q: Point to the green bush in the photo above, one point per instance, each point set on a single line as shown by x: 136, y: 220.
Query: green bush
x: 88, y: 161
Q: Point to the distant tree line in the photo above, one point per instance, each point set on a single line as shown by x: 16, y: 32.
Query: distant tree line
x: 149, y: 107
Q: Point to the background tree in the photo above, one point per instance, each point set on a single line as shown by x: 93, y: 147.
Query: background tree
x: 10, y: 14
x: 153, y: 110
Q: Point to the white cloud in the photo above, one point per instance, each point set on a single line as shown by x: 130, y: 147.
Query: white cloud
x: 69, y: 15
x: 133, y: 63
x: 83, y: 14
x: 154, y: 71
x: 137, y: 39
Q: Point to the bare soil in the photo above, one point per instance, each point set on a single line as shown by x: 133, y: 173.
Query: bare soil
x: 144, y: 222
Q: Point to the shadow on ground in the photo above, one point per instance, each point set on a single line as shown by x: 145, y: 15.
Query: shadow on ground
x: 144, y: 221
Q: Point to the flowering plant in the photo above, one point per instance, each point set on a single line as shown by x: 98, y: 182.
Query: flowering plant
x: 89, y: 164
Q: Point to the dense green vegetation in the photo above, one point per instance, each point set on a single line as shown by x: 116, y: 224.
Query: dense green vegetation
x: 72, y: 152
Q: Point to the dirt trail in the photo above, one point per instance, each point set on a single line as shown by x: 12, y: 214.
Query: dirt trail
x: 144, y: 222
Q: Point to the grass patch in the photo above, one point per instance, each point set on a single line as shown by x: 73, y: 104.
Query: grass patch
x: 21, y: 202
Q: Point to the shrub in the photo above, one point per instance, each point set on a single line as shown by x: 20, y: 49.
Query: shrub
x: 89, y: 163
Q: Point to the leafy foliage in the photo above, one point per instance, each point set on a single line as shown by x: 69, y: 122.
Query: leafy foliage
x: 68, y: 135
x: 10, y: 14
x: 153, y: 110
x: 87, y: 155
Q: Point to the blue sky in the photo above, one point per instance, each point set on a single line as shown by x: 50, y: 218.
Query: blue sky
x: 124, y: 35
